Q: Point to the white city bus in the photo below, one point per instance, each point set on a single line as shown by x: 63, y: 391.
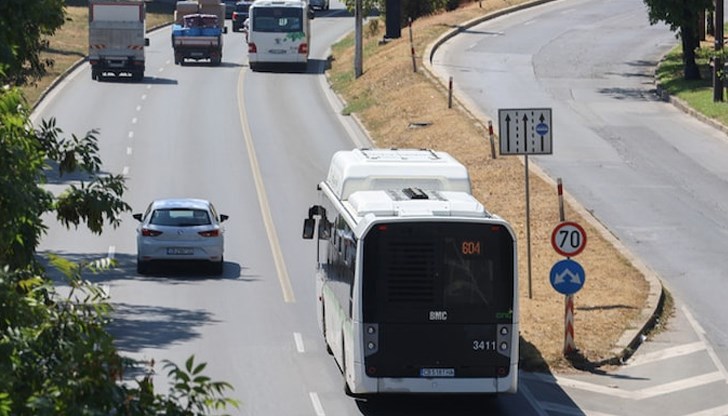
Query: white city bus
x: 416, y: 281
x: 279, y: 32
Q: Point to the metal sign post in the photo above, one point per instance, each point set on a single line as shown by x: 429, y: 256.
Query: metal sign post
x: 567, y: 239
x: 525, y: 132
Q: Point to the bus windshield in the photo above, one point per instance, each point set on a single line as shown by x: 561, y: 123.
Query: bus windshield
x: 410, y: 269
x: 277, y: 19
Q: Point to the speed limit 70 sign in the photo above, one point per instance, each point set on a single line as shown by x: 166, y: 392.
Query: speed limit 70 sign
x: 568, y: 239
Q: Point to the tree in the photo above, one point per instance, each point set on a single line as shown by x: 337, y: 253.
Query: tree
x: 682, y: 17
x: 56, y: 356
x: 26, y: 158
x: 26, y: 25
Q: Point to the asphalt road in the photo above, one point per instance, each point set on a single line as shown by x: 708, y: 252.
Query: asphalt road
x: 255, y: 144
x: 653, y: 175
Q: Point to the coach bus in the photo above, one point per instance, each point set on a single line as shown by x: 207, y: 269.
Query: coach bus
x: 416, y: 282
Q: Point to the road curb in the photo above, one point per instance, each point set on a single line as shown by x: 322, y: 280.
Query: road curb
x: 634, y: 334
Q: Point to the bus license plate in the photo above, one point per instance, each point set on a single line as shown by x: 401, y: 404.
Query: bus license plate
x: 278, y: 51
x: 437, y: 372
x: 180, y: 251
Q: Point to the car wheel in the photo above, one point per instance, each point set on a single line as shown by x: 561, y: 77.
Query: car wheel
x: 142, y: 267
x: 217, y: 268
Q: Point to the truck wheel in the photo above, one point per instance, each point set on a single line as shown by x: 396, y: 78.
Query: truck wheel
x: 95, y: 74
x: 137, y: 76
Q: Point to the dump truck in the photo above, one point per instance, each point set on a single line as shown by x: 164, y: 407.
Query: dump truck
x: 197, y: 31
x: 117, y: 39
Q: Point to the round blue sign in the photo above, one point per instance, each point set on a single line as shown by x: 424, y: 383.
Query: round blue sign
x: 542, y: 129
x: 567, y: 276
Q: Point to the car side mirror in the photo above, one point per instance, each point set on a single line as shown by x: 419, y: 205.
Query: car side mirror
x: 224, y: 29
x: 309, y: 225
x: 310, y: 14
x: 146, y: 41
x: 137, y: 217
x: 224, y: 217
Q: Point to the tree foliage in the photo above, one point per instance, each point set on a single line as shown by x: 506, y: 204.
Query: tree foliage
x: 26, y: 26
x: 682, y: 16
x: 28, y: 158
x: 411, y: 9
x: 56, y: 356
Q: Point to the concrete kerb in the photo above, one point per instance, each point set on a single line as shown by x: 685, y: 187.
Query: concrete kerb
x: 633, y: 335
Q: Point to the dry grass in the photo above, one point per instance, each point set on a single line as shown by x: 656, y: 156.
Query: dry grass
x: 389, y: 96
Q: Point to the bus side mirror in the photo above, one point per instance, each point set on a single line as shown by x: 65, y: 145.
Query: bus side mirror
x: 308, y: 227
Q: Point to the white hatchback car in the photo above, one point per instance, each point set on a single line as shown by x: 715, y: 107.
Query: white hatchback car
x: 180, y: 229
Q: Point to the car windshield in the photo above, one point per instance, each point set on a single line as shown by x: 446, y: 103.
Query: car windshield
x: 180, y: 217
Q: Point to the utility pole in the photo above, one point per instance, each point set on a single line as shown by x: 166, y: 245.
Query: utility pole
x: 718, y: 61
x: 358, y: 49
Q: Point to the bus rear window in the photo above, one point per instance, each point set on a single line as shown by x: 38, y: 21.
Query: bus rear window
x: 410, y: 267
x: 271, y: 19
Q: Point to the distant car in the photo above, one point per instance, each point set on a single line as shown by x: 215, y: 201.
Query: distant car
x: 229, y: 8
x: 319, y: 4
x: 240, y: 14
x: 180, y: 229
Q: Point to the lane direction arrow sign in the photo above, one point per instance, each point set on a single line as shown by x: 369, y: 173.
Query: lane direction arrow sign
x: 567, y: 277
x: 525, y: 131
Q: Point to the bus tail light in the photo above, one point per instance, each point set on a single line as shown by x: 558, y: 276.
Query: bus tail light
x: 372, y: 371
x: 303, y: 48
x: 252, y: 48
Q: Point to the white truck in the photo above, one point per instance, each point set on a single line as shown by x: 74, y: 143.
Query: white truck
x: 116, y: 34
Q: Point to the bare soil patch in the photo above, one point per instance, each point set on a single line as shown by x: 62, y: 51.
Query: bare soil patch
x: 390, y: 96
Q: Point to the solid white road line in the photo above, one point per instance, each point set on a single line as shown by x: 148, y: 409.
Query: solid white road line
x: 667, y: 353
x: 526, y: 392
x: 716, y: 411
x: 679, y: 385
x: 317, y: 407
x: 701, y: 334
x: 570, y: 410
